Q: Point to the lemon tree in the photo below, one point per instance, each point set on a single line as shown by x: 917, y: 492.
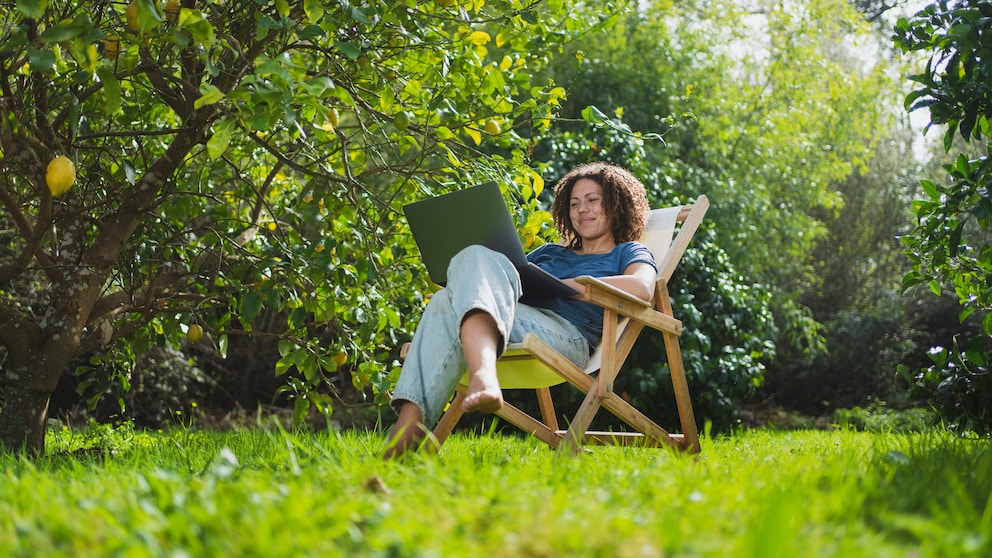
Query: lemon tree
x: 242, y: 167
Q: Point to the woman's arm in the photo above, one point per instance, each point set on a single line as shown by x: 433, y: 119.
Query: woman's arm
x: 638, y: 279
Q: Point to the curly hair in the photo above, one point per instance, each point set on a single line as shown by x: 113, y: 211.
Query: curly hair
x: 624, y: 200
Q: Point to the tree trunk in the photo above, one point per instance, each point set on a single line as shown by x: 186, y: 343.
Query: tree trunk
x: 22, y: 419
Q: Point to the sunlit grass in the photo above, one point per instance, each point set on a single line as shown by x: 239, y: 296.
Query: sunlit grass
x: 108, y: 492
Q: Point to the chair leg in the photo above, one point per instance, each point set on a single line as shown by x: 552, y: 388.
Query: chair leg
x: 580, y: 423
x: 547, y: 406
x: 674, y: 352
x: 448, y: 421
x: 682, y: 399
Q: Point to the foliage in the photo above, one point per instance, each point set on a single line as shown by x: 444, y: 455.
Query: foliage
x: 265, y: 492
x: 777, y: 134
x: 869, y: 325
x: 865, y: 345
x: 950, y: 247
x: 726, y: 344
x: 958, y: 384
x: 243, y: 160
x: 877, y: 417
x: 777, y: 122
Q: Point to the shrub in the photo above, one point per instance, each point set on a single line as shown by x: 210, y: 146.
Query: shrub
x: 958, y: 384
x: 728, y: 338
x: 878, y: 418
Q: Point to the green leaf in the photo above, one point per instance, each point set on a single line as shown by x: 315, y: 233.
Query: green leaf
x: 350, y: 50
x: 209, y: 95
x: 32, y: 9
x: 444, y: 133
x: 41, y: 60
x: 218, y: 142
x: 593, y: 115
x: 300, y: 407
x: 311, y: 32
x: 111, y: 90
x: 297, y: 317
x: 64, y: 31
x: 251, y: 306
x: 361, y: 17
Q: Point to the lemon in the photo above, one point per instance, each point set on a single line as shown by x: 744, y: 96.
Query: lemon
x: 340, y: 358
x: 131, y: 15
x: 402, y: 120
x: 333, y: 117
x: 194, y: 333
x: 111, y: 47
x: 60, y: 175
x: 492, y: 127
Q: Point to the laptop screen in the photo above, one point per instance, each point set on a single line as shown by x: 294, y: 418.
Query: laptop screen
x: 444, y: 225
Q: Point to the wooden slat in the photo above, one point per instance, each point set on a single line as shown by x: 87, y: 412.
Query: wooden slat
x: 609, y: 292
x: 529, y: 424
x: 690, y: 224
x: 637, y: 420
x: 603, y: 295
x: 610, y: 366
x: 547, y: 406
x: 603, y: 438
x: 581, y: 421
x: 680, y: 385
x: 561, y: 365
x: 449, y: 419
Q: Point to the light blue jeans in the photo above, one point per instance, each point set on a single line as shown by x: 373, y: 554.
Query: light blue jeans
x: 478, y: 279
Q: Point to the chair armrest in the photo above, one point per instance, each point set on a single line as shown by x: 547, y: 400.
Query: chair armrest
x: 597, y: 288
x: 625, y: 304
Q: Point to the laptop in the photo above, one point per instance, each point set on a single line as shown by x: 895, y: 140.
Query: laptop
x: 442, y: 226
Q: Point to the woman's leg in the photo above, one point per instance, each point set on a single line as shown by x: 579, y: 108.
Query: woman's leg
x: 482, y: 292
x: 480, y: 342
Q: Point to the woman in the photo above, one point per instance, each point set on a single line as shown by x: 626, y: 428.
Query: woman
x: 600, y: 210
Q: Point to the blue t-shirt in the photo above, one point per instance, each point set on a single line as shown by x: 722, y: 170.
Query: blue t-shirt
x: 564, y: 263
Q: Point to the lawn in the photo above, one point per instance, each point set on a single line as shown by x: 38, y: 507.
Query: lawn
x: 265, y: 492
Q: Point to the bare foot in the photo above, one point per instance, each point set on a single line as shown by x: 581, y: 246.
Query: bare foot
x: 484, y: 394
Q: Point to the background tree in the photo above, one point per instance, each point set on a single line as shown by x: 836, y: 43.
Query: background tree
x: 236, y: 158
x: 951, y: 247
x: 869, y: 326
x: 771, y: 110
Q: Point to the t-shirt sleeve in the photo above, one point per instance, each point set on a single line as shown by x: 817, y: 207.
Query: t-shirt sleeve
x: 634, y: 252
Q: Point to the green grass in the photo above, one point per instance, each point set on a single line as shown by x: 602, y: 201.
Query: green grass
x: 107, y: 492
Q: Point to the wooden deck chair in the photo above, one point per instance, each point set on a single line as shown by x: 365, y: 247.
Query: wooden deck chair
x: 535, y: 365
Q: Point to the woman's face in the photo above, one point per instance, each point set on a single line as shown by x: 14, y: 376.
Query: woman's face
x: 587, y: 213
